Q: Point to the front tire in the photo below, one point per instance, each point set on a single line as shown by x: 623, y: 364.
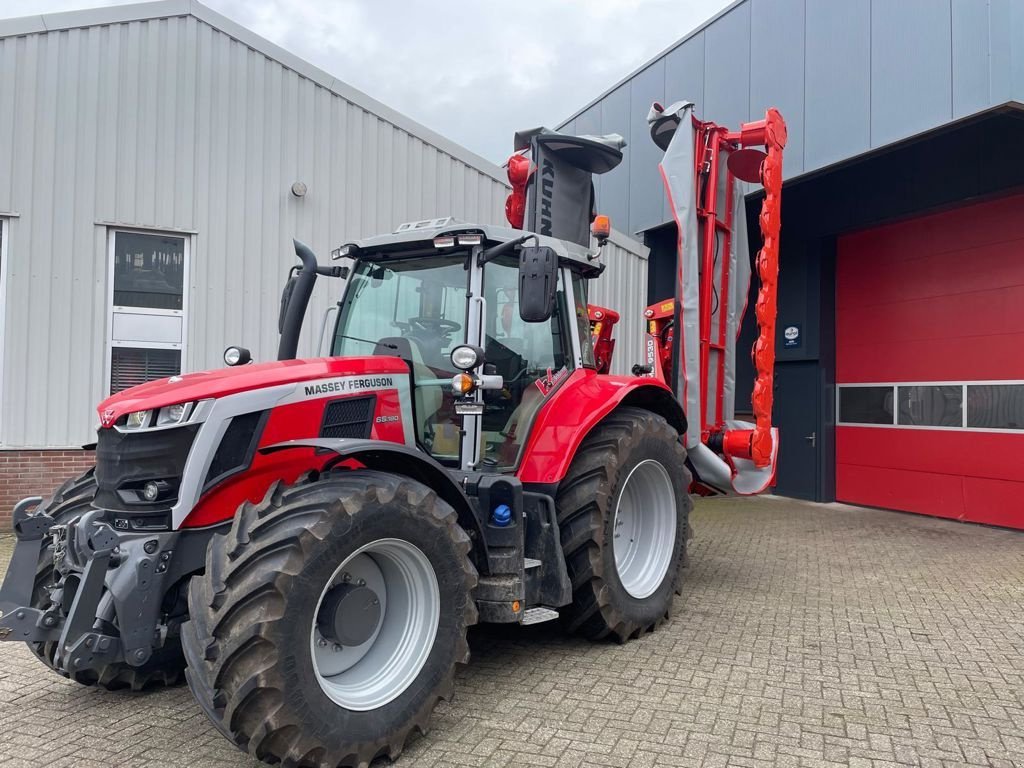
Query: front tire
x: 270, y: 661
x: 623, y: 511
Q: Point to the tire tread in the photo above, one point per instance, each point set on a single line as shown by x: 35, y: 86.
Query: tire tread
x: 584, y: 497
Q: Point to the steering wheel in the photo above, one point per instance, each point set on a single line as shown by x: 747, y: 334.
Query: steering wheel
x: 435, y: 324
x: 518, y: 376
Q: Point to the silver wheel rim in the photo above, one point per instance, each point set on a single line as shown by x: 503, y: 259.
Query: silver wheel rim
x: 370, y: 675
x: 644, y: 529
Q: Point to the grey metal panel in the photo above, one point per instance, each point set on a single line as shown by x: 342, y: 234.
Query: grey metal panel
x: 623, y: 287
x: 646, y: 199
x: 172, y: 124
x: 1004, y: 42
x: 589, y: 123
x: 970, y: 64
x: 1015, y: 25
x: 684, y: 73
x: 777, y: 70
x: 727, y: 69
x: 613, y: 198
x: 911, y: 81
x: 684, y: 81
x: 873, y: 71
x: 837, y: 121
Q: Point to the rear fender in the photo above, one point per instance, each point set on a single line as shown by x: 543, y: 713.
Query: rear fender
x: 400, y: 459
x: 576, y: 407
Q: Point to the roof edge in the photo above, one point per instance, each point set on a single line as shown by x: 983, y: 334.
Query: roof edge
x: 653, y: 60
x: 162, y: 9
x: 93, y: 17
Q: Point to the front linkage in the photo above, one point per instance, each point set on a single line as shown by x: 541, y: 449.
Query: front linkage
x: 105, y: 605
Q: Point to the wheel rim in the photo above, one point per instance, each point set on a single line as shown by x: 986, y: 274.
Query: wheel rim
x: 376, y: 671
x: 644, y: 529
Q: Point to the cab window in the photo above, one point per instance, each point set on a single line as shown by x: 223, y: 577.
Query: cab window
x: 415, y: 310
x: 532, y: 358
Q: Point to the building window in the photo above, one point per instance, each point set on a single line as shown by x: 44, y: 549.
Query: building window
x: 866, y: 405
x: 995, y: 406
x: 148, y: 306
x: 149, y: 271
x: 978, y: 406
x: 931, y: 406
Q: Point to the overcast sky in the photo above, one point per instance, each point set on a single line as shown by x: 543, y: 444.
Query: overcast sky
x: 472, y: 70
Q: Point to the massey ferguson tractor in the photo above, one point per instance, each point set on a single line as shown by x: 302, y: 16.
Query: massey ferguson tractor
x: 308, y: 540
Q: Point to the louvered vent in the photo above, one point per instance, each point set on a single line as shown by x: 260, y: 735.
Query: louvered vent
x: 131, y: 366
x: 236, y: 448
x: 351, y: 417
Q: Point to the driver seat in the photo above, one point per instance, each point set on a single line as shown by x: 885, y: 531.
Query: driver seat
x: 427, y: 400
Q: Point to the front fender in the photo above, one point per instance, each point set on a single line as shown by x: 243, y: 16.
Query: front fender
x: 576, y: 407
x: 399, y: 459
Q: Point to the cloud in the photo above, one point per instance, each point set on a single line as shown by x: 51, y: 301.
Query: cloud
x: 472, y: 70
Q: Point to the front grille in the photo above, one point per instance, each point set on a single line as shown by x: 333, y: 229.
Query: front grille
x: 127, y: 460
x: 349, y: 417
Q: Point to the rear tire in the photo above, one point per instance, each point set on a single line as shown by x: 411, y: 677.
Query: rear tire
x: 165, y: 666
x: 631, y: 470
x: 255, y: 661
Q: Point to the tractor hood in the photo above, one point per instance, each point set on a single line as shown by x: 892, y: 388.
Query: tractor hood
x: 206, y: 385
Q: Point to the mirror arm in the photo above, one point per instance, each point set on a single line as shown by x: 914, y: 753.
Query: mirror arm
x: 333, y: 271
x: 503, y: 248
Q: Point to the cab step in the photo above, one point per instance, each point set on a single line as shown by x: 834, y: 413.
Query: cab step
x: 538, y: 615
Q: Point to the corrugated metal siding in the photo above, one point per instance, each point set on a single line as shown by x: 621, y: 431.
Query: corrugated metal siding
x: 172, y: 124
x: 623, y: 287
x: 911, y: 85
x: 849, y: 77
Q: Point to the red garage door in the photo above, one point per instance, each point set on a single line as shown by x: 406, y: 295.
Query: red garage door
x: 930, y: 365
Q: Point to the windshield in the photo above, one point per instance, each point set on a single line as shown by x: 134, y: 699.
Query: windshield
x: 415, y: 310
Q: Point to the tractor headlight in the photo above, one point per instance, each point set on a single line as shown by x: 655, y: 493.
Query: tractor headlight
x: 173, y: 414
x: 138, y: 419
x: 466, y: 357
x: 237, y: 356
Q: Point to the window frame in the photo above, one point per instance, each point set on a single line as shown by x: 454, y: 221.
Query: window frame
x: 963, y: 384
x: 5, y: 238
x: 113, y: 309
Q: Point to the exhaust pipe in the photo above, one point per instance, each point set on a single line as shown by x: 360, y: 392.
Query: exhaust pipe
x: 297, y: 301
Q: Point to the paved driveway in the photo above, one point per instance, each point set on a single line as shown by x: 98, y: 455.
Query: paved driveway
x: 806, y: 636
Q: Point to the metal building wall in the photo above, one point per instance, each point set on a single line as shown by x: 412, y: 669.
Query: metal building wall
x: 623, y: 287
x: 849, y: 77
x: 173, y: 124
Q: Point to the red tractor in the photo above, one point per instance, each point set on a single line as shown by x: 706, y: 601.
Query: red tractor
x: 308, y: 540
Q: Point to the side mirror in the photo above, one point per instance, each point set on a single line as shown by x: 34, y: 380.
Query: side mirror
x: 286, y: 297
x: 538, y: 282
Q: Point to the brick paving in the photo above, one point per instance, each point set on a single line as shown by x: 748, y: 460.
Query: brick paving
x: 807, y: 635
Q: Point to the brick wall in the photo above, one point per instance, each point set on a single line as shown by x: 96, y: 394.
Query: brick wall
x: 36, y: 473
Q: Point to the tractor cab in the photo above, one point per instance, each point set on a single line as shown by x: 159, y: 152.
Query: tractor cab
x: 448, y: 299
x: 489, y: 320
